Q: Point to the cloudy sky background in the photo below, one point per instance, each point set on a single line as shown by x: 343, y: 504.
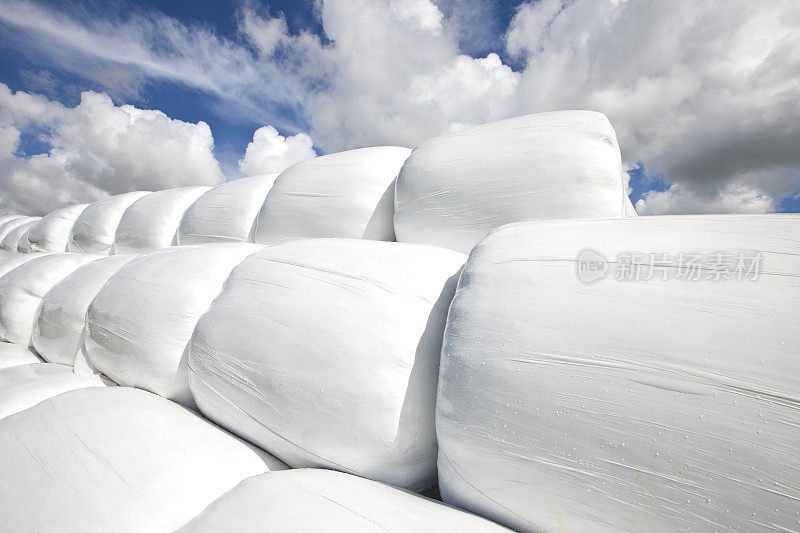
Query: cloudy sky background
x: 108, y: 97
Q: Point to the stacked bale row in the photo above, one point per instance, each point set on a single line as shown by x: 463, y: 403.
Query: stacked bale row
x: 348, y: 194
x: 564, y: 401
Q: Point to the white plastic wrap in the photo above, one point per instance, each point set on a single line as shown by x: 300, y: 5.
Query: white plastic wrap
x: 23, y: 247
x: 318, y: 500
x: 115, y: 459
x: 57, y: 332
x: 10, y: 224
x: 51, y: 233
x: 22, y: 289
x: 571, y: 400
x: 95, y: 228
x: 346, y: 194
x: 139, y: 325
x: 13, y: 261
x: 151, y: 222
x: 454, y: 189
x: 8, y: 218
x: 16, y: 354
x: 26, y: 385
x: 325, y: 353
x: 227, y: 212
x: 13, y: 237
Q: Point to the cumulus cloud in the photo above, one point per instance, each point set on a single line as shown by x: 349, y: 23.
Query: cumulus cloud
x: 96, y: 149
x: 272, y: 152
x: 705, y: 94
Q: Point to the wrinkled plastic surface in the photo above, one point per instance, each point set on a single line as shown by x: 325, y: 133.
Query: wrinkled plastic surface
x: 150, y: 223
x: 627, y: 405
x: 22, y: 289
x: 51, y: 233
x: 322, y: 500
x: 13, y: 260
x: 325, y: 353
x: 346, y: 194
x: 16, y: 354
x: 95, y: 228
x: 57, y: 332
x: 456, y: 188
x: 26, y: 385
x: 139, y: 325
x: 12, y: 239
x: 7, y: 226
x: 115, y: 459
x: 227, y: 212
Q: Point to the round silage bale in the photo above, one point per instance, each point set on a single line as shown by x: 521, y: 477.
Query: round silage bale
x: 95, y: 228
x: 633, y: 375
x: 325, y: 352
x: 57, y: 334
x: 139, y: 325
x: 22, y: 289
x: 51, y: 233
x: 226, y: 213
x: 151, y: 222
x: 115, y: 458
x: 346, y: 194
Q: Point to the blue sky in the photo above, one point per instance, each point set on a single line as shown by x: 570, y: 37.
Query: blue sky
x: 701, y: 127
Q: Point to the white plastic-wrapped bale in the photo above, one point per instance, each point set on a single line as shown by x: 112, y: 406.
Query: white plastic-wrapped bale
x: 325, y: 352
x: 95, y: 228
x: 13, y: 261
x: 151, y: 222
x: 22, y: 289
x: 8, y: 218
x: 346, y: 194
x: 51, y: 233
x: 139, y: 325
x: 626, y: 375
x: 12, y: 223
x: 227, y: 212
x: 319, y: 500
x: 16, y: 354
x: 456, y: 188
x: 57, y: 334
x: 115, y: 459
x: 24, y: 386
x: 12, y: 239
x: 23, y: 247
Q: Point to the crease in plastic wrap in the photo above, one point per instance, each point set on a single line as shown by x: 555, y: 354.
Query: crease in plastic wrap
x: 24, y: 386
x: 51, y: 233
x: 151, y: 222
x: 95, y: 228
x: 346, y: 194
x: 11, y: 223
x: 326, y: 501
x: 22, y: 290
x: 115, y: 459
x: 593, y: 379
x: 13, y: 238
x: 139, y: 325
x: 227, y: 212
x: 456, y: 188
x: 57, y: 333
x: 325, y: 352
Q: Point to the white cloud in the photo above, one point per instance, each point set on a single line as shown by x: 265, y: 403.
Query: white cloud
x: 677, y: 200
x: 98, y: 149
x: 704, y: 93
x: 272, y: 152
